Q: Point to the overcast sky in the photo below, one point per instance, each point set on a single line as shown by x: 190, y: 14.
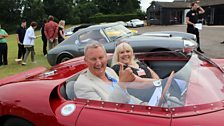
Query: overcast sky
x: 145, y: 3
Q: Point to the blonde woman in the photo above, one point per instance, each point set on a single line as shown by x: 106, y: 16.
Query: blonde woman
x: 61, y: 36
x: 124, y: 54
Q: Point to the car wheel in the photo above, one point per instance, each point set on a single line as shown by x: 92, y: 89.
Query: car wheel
x: 17, y: 122
x: 63, y: 58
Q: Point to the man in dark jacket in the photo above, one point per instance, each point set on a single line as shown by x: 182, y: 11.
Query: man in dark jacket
x: 192, y: 20
x: 20, y: 33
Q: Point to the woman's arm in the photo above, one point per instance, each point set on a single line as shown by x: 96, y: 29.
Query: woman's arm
x: 61, y: 33
x: 153, y: 73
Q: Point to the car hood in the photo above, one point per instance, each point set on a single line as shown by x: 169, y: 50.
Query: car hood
x: 29, y: 96
x: 183, y: 35
x: 149, y: 38
x: 23, y: 76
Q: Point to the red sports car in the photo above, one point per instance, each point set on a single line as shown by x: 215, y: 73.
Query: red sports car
x: 192, y: 95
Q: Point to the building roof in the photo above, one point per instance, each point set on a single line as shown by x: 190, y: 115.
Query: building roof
x: 211, y: 2
x: 184, y: 5
x: 176, y: 4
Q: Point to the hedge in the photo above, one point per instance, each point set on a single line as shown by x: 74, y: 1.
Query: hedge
x: 99, y: 18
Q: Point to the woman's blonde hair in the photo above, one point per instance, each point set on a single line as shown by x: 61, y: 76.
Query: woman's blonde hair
x: 61, y: 23
x: 120, y: 47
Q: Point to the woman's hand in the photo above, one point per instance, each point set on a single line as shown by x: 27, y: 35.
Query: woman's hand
x: 153, y: 73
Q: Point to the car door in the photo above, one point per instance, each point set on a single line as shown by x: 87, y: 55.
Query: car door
x: 97, y: 113
x: 68, y: 112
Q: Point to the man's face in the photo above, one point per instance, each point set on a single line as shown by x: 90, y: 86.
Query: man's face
x: 24, y: 24
x: 96, y: 60
x: 195, y: 7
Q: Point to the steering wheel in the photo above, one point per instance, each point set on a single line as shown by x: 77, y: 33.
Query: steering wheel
x: 168, y: 83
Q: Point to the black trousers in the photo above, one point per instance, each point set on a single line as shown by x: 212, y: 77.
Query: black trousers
x: 21, y: 51
x: 44, y: 45
x: 195, y: 32
x: 3, y: 54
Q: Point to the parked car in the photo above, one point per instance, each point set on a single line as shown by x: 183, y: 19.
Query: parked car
x: 70, y: 31
x: 192, y: 94
x: 135, y: 23
x: 110, y: 35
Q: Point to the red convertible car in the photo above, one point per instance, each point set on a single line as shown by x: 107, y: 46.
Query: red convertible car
x: 192, y: 95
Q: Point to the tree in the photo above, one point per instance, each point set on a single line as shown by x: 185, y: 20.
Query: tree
x: 117, y: 6
x: 60, y: 9
x: 10, y: 10
x: 86, y: 10
x: 33, y: 10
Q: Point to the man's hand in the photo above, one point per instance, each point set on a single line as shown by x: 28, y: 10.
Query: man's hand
x: 51, y: 40
x: 126, y: 75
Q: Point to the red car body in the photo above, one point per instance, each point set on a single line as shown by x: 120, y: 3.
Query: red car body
x: 36, y: 96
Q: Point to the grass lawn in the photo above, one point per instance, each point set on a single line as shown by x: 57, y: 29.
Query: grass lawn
x: 13, y: 67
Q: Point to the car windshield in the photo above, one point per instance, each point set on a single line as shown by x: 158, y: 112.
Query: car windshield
x: 116, y: 32
x: 198, y: 81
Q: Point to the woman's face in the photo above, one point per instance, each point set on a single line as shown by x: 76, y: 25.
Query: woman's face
x: 124, y: 56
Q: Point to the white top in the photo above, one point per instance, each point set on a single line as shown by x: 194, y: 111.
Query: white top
x: 29, y: 37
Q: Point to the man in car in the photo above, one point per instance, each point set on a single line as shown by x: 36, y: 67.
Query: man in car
x: 100, y: 82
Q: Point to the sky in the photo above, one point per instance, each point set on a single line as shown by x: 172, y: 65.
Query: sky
x: 146, y: 3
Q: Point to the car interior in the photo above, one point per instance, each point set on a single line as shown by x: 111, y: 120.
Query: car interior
x: 162, y: 67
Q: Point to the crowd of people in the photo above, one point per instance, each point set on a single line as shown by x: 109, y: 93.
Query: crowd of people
x: 52, y: 33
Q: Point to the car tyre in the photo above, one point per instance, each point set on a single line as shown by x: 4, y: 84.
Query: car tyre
x: 63, y: 58
x: 17, y: 122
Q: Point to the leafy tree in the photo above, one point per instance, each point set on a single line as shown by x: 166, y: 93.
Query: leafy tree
x: 86, y: 10
x: 33, y: 10
x: 60, y: 9
x: 10, y: 10
x: 117, y: 6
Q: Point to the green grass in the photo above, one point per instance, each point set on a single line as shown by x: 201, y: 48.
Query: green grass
x: 14, y: 68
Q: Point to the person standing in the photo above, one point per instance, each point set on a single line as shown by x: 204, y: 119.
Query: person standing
x: 51, y: 32
x: 20, y: 33
x: 3, y: 47
x: 43, y: 37
x: 61, y: 36
x: 29, y: 42
x: 191, y: 20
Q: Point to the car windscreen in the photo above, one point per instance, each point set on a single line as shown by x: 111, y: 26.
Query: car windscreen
x: 198, y: 82
x: 206, y: 83
x: 116, y: 31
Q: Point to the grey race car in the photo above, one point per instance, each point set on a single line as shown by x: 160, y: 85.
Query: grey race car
x: 112, y: 33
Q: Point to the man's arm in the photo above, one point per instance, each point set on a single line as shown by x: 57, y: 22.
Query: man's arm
x: 4, y: 35
x: 201, y: 10
x: 83, y: 90
x: 46, y: 32
x: 56, y: 30
x: 189, y: 22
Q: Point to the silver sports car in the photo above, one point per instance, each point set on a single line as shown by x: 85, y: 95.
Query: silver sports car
x: 112, y: 33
